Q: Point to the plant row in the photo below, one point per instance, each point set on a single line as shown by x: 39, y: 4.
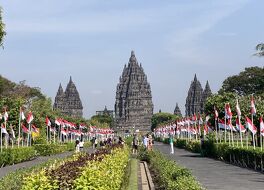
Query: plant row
x: 104, y: 169
x: 167, y: 174
x: 16, y: 155
x: 241, y: 156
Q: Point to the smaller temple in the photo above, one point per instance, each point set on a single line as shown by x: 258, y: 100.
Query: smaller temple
x: 196, y: 99
x: 177, y: 110
x: 69, y: 102
x: 105, y: 112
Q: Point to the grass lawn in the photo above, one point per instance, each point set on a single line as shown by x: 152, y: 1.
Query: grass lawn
x: 133, y: 178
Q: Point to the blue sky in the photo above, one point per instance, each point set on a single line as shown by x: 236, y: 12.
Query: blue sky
x: 48, y: 41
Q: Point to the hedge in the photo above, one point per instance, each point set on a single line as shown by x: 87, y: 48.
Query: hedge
x: 50, y: 149
x: 16, y: 155
x: 241, y: 156
x: 167, y: 174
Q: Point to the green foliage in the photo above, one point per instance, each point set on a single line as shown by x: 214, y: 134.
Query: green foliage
x: 219, y: 100
x: 107, y: 174
x: 170, y: 176
x: 2, y: 29
x: 50, y: 149
x: 246, y: 82
x: 11, y: 156
x: 162, y: 118
x: 103, y: 119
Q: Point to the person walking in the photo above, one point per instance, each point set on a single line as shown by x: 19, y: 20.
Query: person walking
x: 135, y: 143
x: 145, y: 142
x: 150, y: 142
x: 81, y: 144
x: 171, y: 143
x: 77, y: 145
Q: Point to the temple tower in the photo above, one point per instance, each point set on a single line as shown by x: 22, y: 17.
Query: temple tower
x: 177, y: 110
x: 133, y: 106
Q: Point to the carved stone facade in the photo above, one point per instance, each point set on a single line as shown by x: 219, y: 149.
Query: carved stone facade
x: 195, y: 101
x: 133, y: 106
x: 106, y: 112
x: 177, y: 110
x: 69, y: 102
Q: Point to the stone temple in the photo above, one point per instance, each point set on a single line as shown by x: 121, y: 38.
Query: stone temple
x: 195, y: 101
x: 177, y: 110
x: 69, y: 102
x: 133, y: 106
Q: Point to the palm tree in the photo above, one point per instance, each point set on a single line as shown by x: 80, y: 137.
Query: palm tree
x: 260, y: 50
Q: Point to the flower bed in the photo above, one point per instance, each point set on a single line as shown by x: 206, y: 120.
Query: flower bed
x: 104, y: 169
x: 167, y: 175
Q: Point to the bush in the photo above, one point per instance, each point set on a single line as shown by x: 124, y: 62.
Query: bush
x: 16, y: 155
x: 106, y: 174
x: 170, y: 176
x: 50, y: 149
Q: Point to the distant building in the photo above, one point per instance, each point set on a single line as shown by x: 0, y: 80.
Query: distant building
x: 177, y: 110
x: 105, y: 112
x: 133, y: 106
x: 196, y: 99
x: 69, y: 102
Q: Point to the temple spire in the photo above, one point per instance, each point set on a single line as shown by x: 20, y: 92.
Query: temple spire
x: 177, y: 110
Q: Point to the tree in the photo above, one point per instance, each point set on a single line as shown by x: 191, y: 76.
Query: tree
x: 2, y: 29
x: 103, y: 119
x: 250, y: 81
x: 162, y: 118
x: 260, y: 50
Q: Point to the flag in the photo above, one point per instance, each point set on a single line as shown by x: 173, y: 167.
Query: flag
x: 3, y: 130
x: 194, y: 117
x: 228, y: 113
x: 5, y: 116
x: 63, y: 131
x: 221, y: 124
x: 48, y: 123
x: 34, y: 129
x: 205, y: 130
x: 24, y: 129
x: 200, y: 119
x: 238, y: 127
x: 30, y: 117
x: 252, y: 106
x: 215, y: 113
x: 230, y: 126
x: 261, y: 126
x: 238, y: 109
x: 57, y: 121
x: 22, y: 116
x: 251, y: 126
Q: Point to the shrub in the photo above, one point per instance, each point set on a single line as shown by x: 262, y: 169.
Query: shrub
x: 50, y: 149
x: 16, y: 155
x: 170, y: 176
x: 106, y: 174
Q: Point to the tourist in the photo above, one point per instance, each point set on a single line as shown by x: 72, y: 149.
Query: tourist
x: 77, y: 145
x: 95, y: 142
x: 150, y: 142
x: 120, y: 140
x: 135, y: 143
x: 81, y: 144
x: 171, y: 143
x: 145, y: 142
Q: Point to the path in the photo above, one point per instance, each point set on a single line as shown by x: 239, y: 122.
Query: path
x: 214, y: 174
x: 41, y: 159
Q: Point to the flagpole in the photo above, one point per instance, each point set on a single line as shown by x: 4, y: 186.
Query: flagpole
x: 253, y: 133
x: 5, y: 135
x: 1, y: 138
x: 216, y: 131
x: 232, y: 135
x: 225, y: 129
x: 47, y: 134
x: 19, y: 131
x: 239, y: 123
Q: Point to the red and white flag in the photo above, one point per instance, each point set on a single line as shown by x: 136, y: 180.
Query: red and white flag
x: 238, y: 127
x: 57, y: 121
x: 238, y: 109
x: 228, y: 112
x: 205, y: 130
x: 24, y: 129
x: 252, y: 106
x: 261, y: 124
x: 63, y: 131
x: 30, y: 117
x: 22, y: 115
x: 3, y: 130
x: 48, y: 123
x: 215, y: 113
x: 35, y: 129
x: 251, y: 126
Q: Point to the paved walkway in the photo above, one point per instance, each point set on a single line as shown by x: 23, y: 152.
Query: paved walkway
x: 41, y: 159
x: 214, y: 174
